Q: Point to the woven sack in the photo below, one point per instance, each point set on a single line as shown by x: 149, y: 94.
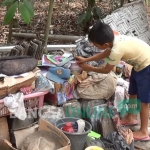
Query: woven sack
x: 97, y: 86
x: 15, y: 65
x: 101, y: 120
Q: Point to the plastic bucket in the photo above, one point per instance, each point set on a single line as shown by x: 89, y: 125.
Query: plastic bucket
x: 77, y: 139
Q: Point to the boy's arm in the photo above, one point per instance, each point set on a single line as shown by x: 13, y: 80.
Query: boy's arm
x: 96, y: 57
x: 104, y: 70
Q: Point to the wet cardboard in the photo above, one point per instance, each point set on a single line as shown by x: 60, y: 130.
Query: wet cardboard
x: 8, y: 145
x: 62, y: 138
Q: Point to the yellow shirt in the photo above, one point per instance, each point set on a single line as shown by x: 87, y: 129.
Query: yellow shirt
x: 131, y: 50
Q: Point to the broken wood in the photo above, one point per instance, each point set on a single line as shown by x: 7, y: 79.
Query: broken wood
x: 67, y: 38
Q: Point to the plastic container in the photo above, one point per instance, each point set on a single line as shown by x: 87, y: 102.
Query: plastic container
x: 94, y: 148
x: 77, y: 139
x: 75, y: 69
x: 34, y: 100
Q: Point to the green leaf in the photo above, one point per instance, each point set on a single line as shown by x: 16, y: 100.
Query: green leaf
x: 88, y: 15
x: 97, y: 13
x: 10, y: 13
x: 8, y: 2
x: 29, y: 6
x: 81, y: 18
x: 24, y: 12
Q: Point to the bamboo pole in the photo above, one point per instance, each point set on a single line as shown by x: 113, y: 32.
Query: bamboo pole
x: 67, y: 38
x: 50, y: 11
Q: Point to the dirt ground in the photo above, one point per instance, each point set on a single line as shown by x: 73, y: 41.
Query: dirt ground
x: 145, y: 145
x: 64, y: 19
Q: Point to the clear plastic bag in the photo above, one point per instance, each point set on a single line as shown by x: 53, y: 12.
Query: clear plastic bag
x: 42, y: 84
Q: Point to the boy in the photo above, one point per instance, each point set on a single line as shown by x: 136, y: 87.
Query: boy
x: 134, y: 52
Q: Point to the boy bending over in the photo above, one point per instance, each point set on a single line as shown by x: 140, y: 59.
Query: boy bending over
x: 134, y: 52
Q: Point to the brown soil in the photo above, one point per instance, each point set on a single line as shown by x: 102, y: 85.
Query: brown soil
x: 64, y: 19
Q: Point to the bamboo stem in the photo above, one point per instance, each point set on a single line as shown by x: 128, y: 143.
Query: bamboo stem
x: 67, y: 38
x: 10, y: 31
x: 50, y: 11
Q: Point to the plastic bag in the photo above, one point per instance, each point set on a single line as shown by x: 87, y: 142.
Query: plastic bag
x: 42, y: 84
x: 101, y: 142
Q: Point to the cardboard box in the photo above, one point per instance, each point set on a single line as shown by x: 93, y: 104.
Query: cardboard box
x: 4, y: 131
x: 62, y: 138
x: 8, y: 145
x: 46, y: 126
x: 21, y: 134
x: 67, y: 88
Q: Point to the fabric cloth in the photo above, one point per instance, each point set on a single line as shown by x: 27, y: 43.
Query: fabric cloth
x: 140, y: 84
x: 85, y: 49
x: 119, y: 142
x: 97, y: 86
x: 26, y: 90
x: 121, y: 93
x: 131, y: 50
x: 15, y: 104
x: 125, y: 134
x: 127, y: 70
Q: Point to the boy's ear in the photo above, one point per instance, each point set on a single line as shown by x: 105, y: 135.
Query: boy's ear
x: 106, y: 44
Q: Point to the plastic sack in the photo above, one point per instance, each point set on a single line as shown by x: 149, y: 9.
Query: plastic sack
x: 52, y: 113
x: 101, y: 142
x: 42, y: 84
x: 119, y: 142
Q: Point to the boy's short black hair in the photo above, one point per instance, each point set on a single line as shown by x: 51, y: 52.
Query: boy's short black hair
x: 101, y: 33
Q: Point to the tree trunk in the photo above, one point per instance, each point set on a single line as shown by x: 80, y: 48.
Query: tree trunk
x: 10, y: 31
x: 50, y: 11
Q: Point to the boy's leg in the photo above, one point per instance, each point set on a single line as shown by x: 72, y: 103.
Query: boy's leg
x: 140, y: 84
x: 144, y: 115
x: 130, y: 118
x: 143, y: 86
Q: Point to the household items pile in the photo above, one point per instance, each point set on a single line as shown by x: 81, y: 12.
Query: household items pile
x: 19, y: 90
x: 84, y: 106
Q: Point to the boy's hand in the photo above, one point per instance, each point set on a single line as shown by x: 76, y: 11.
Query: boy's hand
x: 85, y: 67
x: 80, y: 59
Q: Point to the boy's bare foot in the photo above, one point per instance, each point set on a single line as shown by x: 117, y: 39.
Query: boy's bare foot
x: 128, y: 120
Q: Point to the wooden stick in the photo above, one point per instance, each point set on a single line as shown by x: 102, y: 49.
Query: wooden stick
x: 67, y: 38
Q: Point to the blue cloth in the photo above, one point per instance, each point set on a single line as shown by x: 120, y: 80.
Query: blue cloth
x: 140, y: 84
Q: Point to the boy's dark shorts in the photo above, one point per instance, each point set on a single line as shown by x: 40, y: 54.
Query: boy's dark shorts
x: 140, y: 84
